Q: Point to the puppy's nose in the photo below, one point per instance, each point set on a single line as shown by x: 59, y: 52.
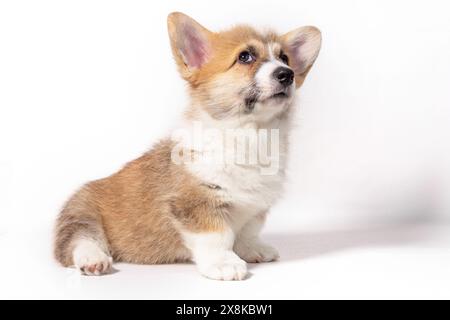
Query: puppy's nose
x: 284, y: 75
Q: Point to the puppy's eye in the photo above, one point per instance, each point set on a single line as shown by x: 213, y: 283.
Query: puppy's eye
x: 246, y: 57
x: 284, y: 58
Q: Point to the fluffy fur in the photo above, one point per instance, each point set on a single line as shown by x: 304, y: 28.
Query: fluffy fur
x: 155, y: 210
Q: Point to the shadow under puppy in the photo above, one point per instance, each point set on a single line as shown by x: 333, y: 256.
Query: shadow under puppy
x: 157, y: 210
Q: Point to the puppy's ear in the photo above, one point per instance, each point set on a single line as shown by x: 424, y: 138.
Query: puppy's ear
x: 191, y: 43
x: 303, y: 46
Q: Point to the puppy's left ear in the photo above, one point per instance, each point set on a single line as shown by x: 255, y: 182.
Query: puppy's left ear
x: 303, y: 46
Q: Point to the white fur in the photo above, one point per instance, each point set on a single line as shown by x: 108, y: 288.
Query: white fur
x: 249, y: 191
x: 212, y: 252
x: 88, y: 254
x: 251, y: 194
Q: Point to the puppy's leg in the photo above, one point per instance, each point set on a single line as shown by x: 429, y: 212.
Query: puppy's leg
x: 213, y: 254
x: 248, y: 245
x: 80, y: 240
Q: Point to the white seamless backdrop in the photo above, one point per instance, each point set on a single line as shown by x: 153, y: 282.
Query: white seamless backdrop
x: 86, y: 86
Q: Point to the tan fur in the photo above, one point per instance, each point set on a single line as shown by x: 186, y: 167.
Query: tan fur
x: 136, y: 208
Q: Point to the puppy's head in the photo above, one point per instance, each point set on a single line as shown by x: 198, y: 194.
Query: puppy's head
x: 241, y: 73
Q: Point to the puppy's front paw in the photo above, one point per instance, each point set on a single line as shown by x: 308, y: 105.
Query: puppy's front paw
x: 227, y: 267
x: 256, y: 252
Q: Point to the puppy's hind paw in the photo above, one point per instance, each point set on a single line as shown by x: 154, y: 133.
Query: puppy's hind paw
x: 90, y: 259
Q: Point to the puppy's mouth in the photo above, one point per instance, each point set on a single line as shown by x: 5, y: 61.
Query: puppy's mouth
x: 280, y: 95
x: 253, y: 99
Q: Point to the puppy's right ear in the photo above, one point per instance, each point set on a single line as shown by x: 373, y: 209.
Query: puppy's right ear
x: 191, y: 43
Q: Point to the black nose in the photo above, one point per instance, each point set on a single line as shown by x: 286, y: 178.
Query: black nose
x: 284, y: 75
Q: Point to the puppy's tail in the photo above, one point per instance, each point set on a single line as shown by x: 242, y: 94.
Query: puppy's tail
x: 79, y: 236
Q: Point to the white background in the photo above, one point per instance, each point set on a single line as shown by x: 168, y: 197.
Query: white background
x: 86, y: 86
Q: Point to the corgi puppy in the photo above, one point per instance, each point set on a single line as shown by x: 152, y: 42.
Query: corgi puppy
x: 171, y: 205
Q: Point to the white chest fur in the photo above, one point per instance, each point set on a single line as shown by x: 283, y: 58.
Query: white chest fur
x: 249, y: 176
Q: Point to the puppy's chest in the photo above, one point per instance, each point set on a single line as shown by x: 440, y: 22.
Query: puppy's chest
x: 242, y: 186
x: 252, y: 188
